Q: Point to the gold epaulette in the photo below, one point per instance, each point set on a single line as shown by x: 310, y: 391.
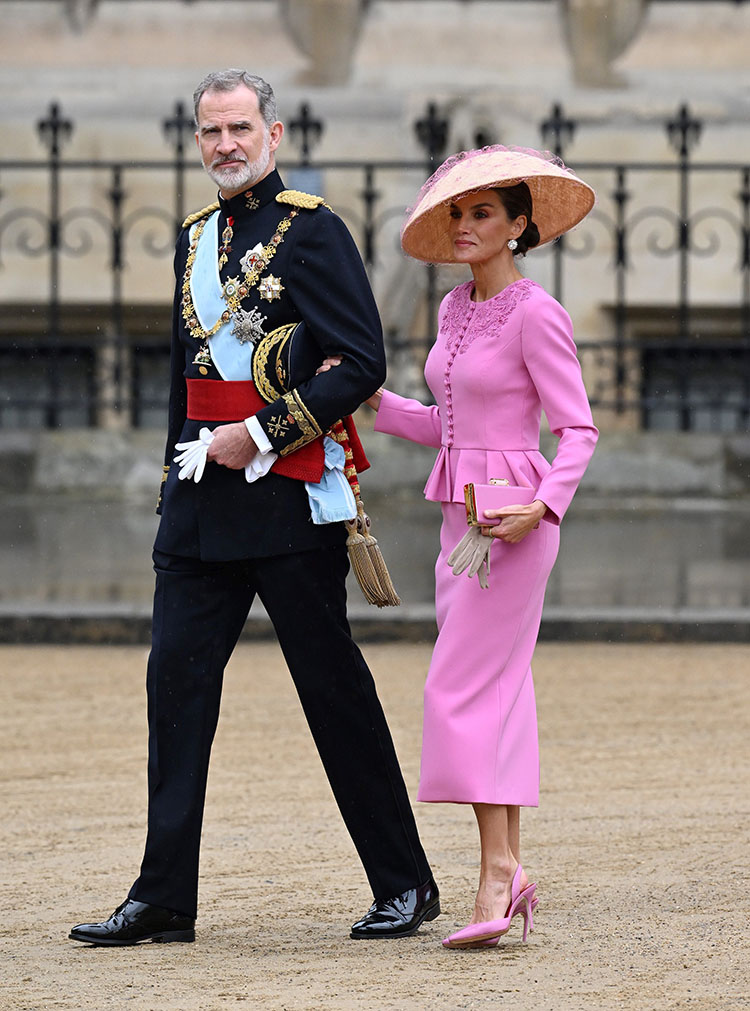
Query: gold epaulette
x: 299, y: 199
x: 192, y: 218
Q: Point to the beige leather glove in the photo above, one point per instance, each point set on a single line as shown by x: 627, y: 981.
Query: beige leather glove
x: 473, y: 553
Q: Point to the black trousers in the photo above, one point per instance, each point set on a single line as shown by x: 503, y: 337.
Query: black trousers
x: 199, y: 611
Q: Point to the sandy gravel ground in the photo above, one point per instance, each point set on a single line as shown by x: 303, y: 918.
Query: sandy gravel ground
x: 640, y: 846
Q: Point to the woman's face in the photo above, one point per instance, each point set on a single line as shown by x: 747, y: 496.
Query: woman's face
x: 480, y: 227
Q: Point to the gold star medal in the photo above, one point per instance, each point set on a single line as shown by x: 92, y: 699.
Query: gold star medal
x: 270, y: 287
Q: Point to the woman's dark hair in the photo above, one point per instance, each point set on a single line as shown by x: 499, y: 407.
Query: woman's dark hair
x: 517, y: 200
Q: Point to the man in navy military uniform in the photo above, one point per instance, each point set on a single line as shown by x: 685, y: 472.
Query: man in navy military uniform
x: 269, y: 284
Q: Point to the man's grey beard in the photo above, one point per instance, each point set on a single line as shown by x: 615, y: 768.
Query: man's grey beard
x: 234, y: 180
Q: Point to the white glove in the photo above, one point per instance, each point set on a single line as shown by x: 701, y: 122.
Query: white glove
x: 192, y: 459
x: 473, y: 553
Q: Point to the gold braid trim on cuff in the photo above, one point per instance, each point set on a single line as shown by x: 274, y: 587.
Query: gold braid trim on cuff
x: 306, y: 423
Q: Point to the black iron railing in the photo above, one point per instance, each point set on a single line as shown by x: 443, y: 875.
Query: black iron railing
x: 657, y: 277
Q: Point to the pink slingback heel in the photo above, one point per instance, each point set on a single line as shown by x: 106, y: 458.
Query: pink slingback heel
x: 490, y: 942
x: 522, y: 902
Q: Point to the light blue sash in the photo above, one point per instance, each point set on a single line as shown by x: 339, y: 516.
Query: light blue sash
x: 232, y: 359
x: 332, y: 498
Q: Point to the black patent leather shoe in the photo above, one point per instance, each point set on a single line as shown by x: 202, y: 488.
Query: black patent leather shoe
x: 133, y: 922
x: 400, y: 916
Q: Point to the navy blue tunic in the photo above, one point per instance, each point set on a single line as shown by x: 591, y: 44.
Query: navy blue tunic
x: 324, y: 283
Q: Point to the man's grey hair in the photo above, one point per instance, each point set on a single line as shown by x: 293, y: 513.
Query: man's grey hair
x: 228, y: 80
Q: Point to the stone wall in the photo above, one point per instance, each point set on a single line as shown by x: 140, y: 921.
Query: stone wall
x: 111, y: 465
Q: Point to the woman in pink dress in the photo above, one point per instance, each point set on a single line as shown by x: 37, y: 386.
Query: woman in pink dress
x: 504, y: 353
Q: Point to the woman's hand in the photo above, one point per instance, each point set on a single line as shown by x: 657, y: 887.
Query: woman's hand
x: 516, y: 521
x: 374, y: 400
x: 332, y: 362
x: 328, y: 363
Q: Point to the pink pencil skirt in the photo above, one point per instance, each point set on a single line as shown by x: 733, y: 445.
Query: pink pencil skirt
x: 480, y: 742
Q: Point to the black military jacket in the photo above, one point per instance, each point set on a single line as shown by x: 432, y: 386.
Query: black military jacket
x: 322, y: 284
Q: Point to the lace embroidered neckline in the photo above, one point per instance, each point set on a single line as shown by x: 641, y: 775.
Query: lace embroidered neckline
x: 522, y: 284
x: 466, y: 320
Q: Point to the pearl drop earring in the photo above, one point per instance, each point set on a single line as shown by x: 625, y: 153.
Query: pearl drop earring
x: 512, y: 245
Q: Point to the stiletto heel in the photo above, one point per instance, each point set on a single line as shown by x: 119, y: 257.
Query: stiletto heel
x: 528, y: 917
x: 491, y: 942
x: 522, y: 903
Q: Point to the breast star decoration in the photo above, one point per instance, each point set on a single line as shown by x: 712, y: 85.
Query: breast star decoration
x: 248, y: 326
x: 270, y: 287
x: 252, y: 258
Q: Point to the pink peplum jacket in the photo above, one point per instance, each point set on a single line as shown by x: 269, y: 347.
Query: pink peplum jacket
x: 495, y: 366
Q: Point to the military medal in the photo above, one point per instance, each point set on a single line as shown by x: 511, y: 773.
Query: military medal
x: 234, y: 289
x: 226, y: 238
x: 248, y: 326
x: 203, y: 358
x: 252, y: 258
x: 270, y: 288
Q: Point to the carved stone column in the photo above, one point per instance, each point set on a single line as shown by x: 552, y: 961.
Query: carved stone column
x: 597, y: 32
x: 327, y: 32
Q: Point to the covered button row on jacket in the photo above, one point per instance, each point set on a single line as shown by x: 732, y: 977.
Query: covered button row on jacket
x: 456, y: 345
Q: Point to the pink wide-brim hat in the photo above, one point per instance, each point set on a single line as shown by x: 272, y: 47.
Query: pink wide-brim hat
x: 559, y: 198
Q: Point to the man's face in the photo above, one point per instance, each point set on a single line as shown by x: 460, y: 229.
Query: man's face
x: 236, y: 146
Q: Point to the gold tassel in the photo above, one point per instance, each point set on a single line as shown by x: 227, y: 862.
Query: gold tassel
x: 365, y: 555
x: 387, y: 596
x: 361, y: 562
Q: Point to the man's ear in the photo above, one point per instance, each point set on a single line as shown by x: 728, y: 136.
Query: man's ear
x: 275, y: 133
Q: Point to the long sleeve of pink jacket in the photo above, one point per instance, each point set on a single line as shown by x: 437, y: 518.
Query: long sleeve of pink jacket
x: 549, y: 354
x: 408, y: 419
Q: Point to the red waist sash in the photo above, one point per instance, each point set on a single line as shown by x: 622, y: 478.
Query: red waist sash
x: 233, y: 400
x: 214, y: 400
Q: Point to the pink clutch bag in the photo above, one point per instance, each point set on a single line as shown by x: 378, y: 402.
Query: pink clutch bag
x: 495, y: 495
